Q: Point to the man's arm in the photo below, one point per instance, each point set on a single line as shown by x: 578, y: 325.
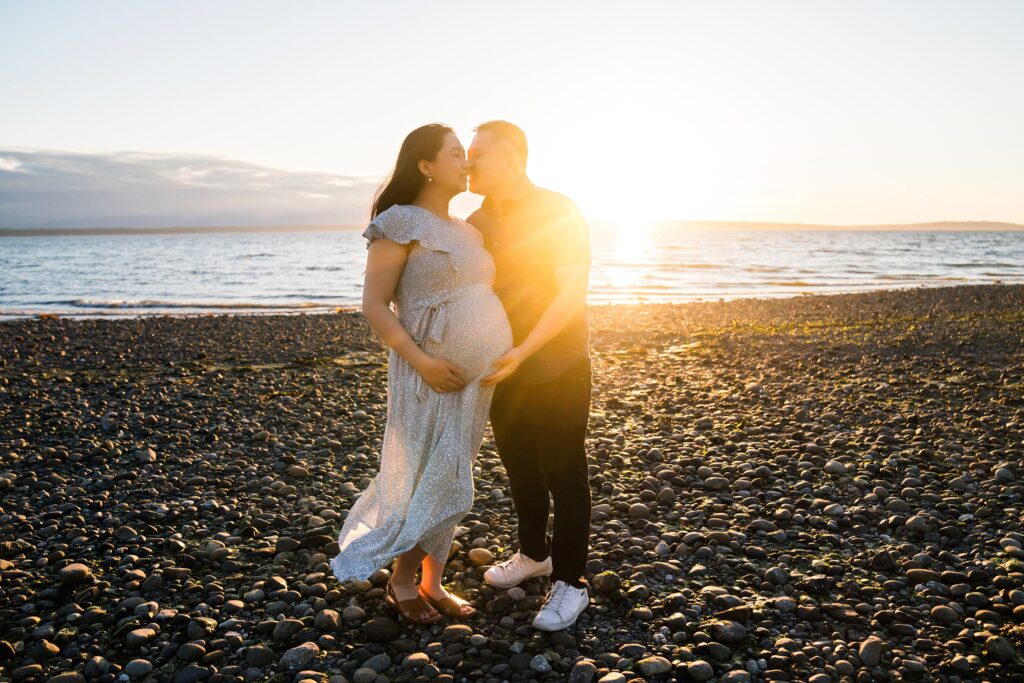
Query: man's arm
x: 572, y: 278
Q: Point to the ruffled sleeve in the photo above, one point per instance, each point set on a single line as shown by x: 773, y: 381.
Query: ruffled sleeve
x: 404, y: 224
x: 394, y: 223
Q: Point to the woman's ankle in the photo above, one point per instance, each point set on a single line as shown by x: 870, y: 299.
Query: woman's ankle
x: 402, y: 581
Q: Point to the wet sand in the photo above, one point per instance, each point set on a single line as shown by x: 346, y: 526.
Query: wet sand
x: 813, y: 489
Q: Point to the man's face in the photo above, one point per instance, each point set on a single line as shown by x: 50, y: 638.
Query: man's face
x: 490, y: 163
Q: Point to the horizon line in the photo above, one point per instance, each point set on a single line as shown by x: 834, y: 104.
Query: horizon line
x: 929, y: 226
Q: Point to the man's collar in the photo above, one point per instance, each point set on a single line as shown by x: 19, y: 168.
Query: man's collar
x: 511, y: 200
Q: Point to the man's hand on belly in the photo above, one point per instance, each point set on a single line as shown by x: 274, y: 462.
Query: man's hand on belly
x: 504, y: 366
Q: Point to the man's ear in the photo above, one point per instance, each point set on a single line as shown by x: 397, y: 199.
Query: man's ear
x: 512, y: 164
x: 516, y: 162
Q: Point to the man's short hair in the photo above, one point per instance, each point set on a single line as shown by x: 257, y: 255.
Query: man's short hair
x: 509, y: 132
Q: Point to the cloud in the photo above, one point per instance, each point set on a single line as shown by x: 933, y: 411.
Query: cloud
x: 47, y: 188
x: 9, y: 164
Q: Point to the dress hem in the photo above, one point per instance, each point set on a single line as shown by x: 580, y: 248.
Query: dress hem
x: 360, y: 573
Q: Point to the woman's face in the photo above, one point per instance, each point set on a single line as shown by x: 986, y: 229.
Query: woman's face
x: 450, y: 170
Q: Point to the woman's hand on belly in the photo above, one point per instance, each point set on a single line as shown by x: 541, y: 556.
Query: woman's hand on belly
x: 440, y: 375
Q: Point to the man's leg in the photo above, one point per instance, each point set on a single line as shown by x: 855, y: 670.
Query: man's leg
x: 562, y: 429
x: 516, y: 440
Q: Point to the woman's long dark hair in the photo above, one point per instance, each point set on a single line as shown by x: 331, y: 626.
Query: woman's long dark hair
x: 405, y: 182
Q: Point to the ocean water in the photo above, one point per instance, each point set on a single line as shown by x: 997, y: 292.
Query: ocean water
x: 316, y: 271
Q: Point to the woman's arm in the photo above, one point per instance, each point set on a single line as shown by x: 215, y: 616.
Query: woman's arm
x: 384, y: 264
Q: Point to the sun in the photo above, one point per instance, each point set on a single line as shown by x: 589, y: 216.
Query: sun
x: 632, y: 240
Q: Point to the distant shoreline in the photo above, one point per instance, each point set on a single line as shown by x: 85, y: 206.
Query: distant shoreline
x: 939, y: 226
x: 934, y: 226
x: 75, y: 232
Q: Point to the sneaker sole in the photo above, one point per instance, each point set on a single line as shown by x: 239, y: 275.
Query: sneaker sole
x: 545, y: 572
x: 561, y: 626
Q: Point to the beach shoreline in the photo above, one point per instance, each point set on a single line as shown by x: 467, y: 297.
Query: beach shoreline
x: 784, y: 488
x: 197, y: 310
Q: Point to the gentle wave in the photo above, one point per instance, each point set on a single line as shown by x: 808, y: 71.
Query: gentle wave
x: 153, y: 303
x: 763, y: 269
x: 663, y: 265
x: 174, y: 308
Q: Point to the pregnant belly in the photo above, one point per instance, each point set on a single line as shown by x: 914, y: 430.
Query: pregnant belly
x: 477, y: 332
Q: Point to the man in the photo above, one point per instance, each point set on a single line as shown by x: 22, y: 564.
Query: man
x: 541, y: 405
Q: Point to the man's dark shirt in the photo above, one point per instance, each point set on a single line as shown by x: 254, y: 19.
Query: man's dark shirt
x: 530, y: 236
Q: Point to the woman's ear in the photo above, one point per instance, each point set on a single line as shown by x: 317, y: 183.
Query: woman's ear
x: 424, y: 167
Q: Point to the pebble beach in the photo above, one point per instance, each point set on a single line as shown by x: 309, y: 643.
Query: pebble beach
x: 821, y: 488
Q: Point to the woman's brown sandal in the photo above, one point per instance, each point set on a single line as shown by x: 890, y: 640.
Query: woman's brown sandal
x: 452, y: 606
x: 413, y: 609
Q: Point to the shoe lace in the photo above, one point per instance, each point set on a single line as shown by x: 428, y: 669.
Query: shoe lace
x: 559, y: 592
x: 514, y: 562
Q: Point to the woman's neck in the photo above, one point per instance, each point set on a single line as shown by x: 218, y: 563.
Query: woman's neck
x: 434, y: 202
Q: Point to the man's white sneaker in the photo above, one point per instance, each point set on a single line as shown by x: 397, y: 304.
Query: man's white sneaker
x: 564, y: 604
x: 515, y: 570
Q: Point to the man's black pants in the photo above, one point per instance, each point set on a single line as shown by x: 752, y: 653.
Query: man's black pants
x: 540, y: 431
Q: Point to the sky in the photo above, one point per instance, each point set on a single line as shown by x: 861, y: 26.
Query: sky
x: 789, y: 111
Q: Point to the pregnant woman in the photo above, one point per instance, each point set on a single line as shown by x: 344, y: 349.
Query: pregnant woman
x: 445, y: 331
